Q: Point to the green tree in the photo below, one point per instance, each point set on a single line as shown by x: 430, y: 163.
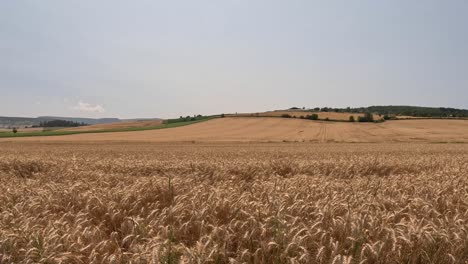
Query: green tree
x: 368, y: 117
x: 351, y: 119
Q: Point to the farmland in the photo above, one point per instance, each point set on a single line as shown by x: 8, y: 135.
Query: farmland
x: 23, y: 130
x: 249, y: 129
x: 233, y: 203
x: 233, y: 132
x: 105, y: 128
x: 116, y: 126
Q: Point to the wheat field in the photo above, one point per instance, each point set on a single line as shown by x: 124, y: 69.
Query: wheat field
x: 233, y: 203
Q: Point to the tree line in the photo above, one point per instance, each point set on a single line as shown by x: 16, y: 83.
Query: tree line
x: 395, y: 110
x: 60, y: 123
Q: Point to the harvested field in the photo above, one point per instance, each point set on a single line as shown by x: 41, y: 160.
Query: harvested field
x: 23, y: 130
x: 30, y: 129
x: 119, y: 125
x: 411, y: 117
x: 242, y: 129
x: 233, y: 203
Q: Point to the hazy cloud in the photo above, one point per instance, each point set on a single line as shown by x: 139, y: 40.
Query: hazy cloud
x: 89, y: 108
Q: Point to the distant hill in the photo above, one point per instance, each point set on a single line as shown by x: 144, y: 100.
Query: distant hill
x: 416, y: 111
x: 397, y: 110
x: 20, y: 121
x: 61, y: 123
x: 89, y: 121
x: 35, y: 121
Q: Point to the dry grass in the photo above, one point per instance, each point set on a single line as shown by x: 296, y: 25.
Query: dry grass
x: 243, y: 129
x: 226, y: 203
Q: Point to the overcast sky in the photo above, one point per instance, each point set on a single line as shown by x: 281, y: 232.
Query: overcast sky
x: 169, y: 58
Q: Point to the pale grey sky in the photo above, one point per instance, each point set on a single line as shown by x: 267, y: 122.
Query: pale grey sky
x: 169, y: 58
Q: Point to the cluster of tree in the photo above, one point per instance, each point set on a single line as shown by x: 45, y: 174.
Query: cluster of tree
x: 310, y: 117
x: 388, y: 111
x: 297, y: 108
x: 60, y: 123
x: 419, y: 111
x: 185, y: 119
x: 329, y: 109
x: 368, y: 117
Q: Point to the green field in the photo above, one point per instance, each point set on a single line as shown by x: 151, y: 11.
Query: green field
x: 63, y: 133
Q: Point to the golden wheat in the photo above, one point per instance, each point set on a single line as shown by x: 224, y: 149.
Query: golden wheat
x: 227, y: 203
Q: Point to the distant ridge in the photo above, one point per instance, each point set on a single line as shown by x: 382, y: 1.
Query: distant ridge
x: 417, y: 111
x: 31, y: 121
x: 90, y: 121
x: 398, y: 110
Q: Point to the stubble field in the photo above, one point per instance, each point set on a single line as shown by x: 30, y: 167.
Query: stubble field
x: 233, y: 203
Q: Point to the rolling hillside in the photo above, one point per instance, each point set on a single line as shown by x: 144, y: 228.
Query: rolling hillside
x: 119, y: 125
x: 242, y: 129
x: 6, y: 121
